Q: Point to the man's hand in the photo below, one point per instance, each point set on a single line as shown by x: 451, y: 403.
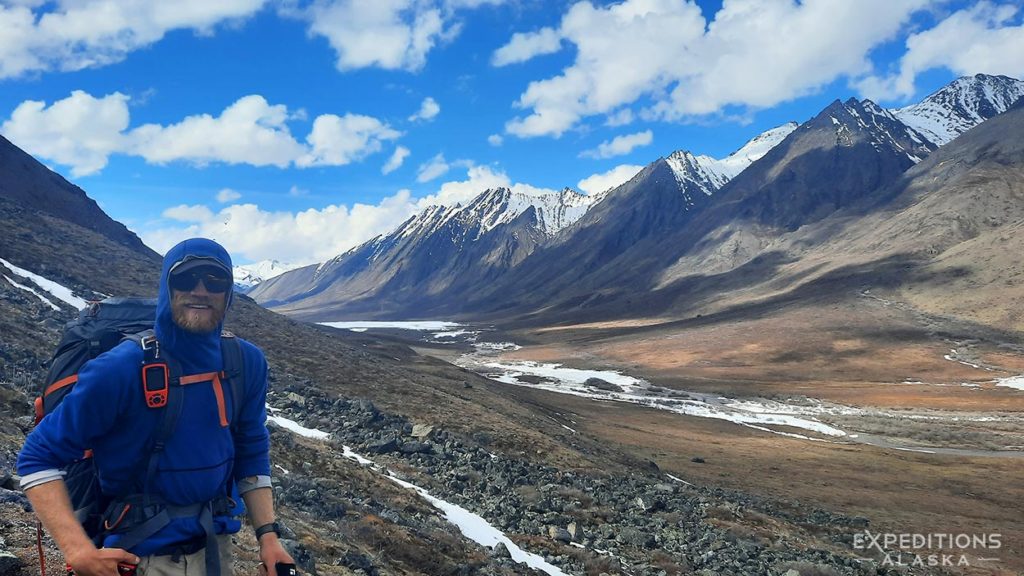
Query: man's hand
x: 92, y: 561
x: 272, y: 554
x: 53, y: 507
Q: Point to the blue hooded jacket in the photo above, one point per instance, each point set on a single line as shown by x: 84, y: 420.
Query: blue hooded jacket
x: 106, y: 411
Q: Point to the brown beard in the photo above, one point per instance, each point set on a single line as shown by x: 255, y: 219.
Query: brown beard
x: 197, y: 321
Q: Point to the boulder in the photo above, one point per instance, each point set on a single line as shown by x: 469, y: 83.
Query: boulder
x: 382, y: 446
x: 416, y: 447
x: 559, y: 534
x: 422, y: 431
x: 9, y: 563
x: 500, y: 551
x: 602, y: 385
x: 649, y: 503
x: 636, y: 537
x: 575, y: 531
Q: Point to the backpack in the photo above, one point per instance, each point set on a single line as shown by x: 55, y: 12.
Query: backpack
x: 99, y: 328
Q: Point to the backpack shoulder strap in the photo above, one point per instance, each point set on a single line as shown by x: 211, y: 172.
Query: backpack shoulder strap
x: 158, y: 364
x: 234, y: 371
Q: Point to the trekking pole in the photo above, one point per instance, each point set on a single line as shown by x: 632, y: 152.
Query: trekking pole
x: 39, y: 546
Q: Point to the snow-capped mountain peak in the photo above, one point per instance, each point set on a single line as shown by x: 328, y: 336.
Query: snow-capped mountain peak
x: 960, y: 106
x: 879, y: 126
x: 753, y: 150
x: 554, y: 210
x: 711, y: 173
x: 249, y: 275
x: 695, y: 170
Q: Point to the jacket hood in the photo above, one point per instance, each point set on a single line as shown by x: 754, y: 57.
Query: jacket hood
x: 195, y: 352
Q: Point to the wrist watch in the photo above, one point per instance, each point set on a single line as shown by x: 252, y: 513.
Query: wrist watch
x: 266, y: 528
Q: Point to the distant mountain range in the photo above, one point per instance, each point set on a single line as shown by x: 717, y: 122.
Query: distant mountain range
x: 640, y: 248
x: 449, y: 252
x: 249, y: 275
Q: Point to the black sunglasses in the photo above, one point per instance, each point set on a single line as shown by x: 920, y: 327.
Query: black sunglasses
x: 214, y: 280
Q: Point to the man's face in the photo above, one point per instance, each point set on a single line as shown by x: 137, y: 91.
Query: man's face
x: 198, y: 310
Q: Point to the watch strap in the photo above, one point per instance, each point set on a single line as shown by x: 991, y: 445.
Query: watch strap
x: 267, y: 528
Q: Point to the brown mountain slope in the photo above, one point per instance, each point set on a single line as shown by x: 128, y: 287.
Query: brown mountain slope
x: 943, y: 237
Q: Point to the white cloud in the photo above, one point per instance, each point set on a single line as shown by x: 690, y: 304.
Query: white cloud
x: 300, y: 237
x: 478, y: 179
x: 90, y: 33
x: 495, y: 140
x: 396, y: 160
x: 227, y: 195
x: 620, y: 145
x: 296, y: 192
x: 620, y: 118
x: 390, y: 34
x: 80, y: 131
x: 315, y: 235
x: 340, y: 140
x: 250, y: 131
x: 524, y: 46
x: 979, y: 39
x: 597, y: 183
x: 754, y: 54
x: 433, y: 168
x: 428, y: 110
x: 186, y: 213
x: 454, y: 4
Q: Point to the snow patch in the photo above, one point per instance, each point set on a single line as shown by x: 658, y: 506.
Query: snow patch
x: 557, y: 378
x: 60, y: 292
x: 38, y: 295
x: 363, y: 325
x: 480, y: 531
x: 295, y: 427
x: 1016, y: 382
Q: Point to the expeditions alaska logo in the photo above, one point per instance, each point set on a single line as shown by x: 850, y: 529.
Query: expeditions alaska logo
x: 917, y: 550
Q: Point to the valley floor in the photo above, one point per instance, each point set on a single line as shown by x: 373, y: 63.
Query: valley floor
x: 910, y: 381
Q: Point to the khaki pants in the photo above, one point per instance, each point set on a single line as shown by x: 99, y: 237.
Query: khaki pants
x: 190, y: 565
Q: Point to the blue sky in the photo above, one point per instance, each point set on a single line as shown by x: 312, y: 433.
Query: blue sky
x: 296, y: 130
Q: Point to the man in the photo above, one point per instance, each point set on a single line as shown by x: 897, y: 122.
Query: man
x: 204, y: 458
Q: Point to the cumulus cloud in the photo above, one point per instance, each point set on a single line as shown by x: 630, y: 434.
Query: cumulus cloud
x: 666, y: 56
x: 524, y: 46
x: 597, y: 183
x: 478, y: 179
x: 82, y: 131
x: 227, y: 195
x: 620, y: 145
x: 495, y: 140
x: 431, y: 169
x: 186, y: 213
x: 340, y: 140
x: 396, y: 160
x: 250, y: 131
x: 389, y: 34
x: 302, y: 237
x: 428, y: 110
x: 91, y: 33
x: 979, y: 39
x: 315, y: 235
